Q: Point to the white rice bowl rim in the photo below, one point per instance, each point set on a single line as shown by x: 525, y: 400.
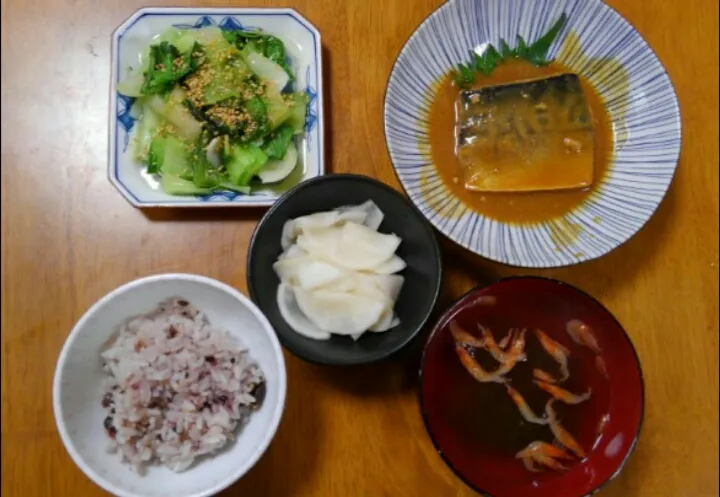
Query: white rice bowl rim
x: 278, y: 408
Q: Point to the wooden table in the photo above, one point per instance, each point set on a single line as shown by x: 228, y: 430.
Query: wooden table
x: 68, y: 238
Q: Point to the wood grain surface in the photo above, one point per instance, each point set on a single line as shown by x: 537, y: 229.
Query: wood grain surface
x: 68, y: 238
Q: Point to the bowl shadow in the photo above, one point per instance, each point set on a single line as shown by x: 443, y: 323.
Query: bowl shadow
x: 270, y: 477
x: 200, y: 214
x: 392, y: 376
x: 465, y: 270
x: 327, y: 108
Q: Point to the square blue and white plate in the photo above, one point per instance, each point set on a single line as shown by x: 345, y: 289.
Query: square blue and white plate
x: 303, y: 46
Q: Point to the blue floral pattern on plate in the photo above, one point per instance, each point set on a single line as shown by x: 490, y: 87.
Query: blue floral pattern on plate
x: 311, y: 116
x: 125, y: 118
x: 228, y: 23
x: 142, y: 190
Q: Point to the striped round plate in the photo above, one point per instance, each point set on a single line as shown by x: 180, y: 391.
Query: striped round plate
x: 644, y: 159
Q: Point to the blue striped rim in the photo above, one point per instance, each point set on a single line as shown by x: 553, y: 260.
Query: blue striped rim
x: 643, y: 166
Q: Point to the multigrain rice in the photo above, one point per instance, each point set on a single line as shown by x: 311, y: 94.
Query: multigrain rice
x: 176, y: 387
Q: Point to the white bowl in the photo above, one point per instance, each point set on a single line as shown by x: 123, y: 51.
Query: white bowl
x: 303, y: 46
x: 77, y: 387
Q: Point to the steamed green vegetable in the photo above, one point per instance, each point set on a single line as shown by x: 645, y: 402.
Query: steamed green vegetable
x: 276, y: 146
x: 268, y: 46
x: 278, y: 169
x: 214, y: 110
x: 484, y: 64
x: 167, y: 66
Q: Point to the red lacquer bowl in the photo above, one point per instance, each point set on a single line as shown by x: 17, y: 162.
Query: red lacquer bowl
x: 476, y: 427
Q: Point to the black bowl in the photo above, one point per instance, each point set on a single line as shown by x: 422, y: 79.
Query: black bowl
x: 419, y: 249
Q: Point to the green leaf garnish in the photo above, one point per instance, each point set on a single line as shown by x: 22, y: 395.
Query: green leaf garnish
x: 464, y: 74
x: 537, y: 52
x: 491, y: 57
x: 521, y: 48
x: 506, y: 51
x: 485, y: 64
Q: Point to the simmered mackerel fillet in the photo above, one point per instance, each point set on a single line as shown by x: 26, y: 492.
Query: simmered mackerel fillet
x: 533, y: 135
